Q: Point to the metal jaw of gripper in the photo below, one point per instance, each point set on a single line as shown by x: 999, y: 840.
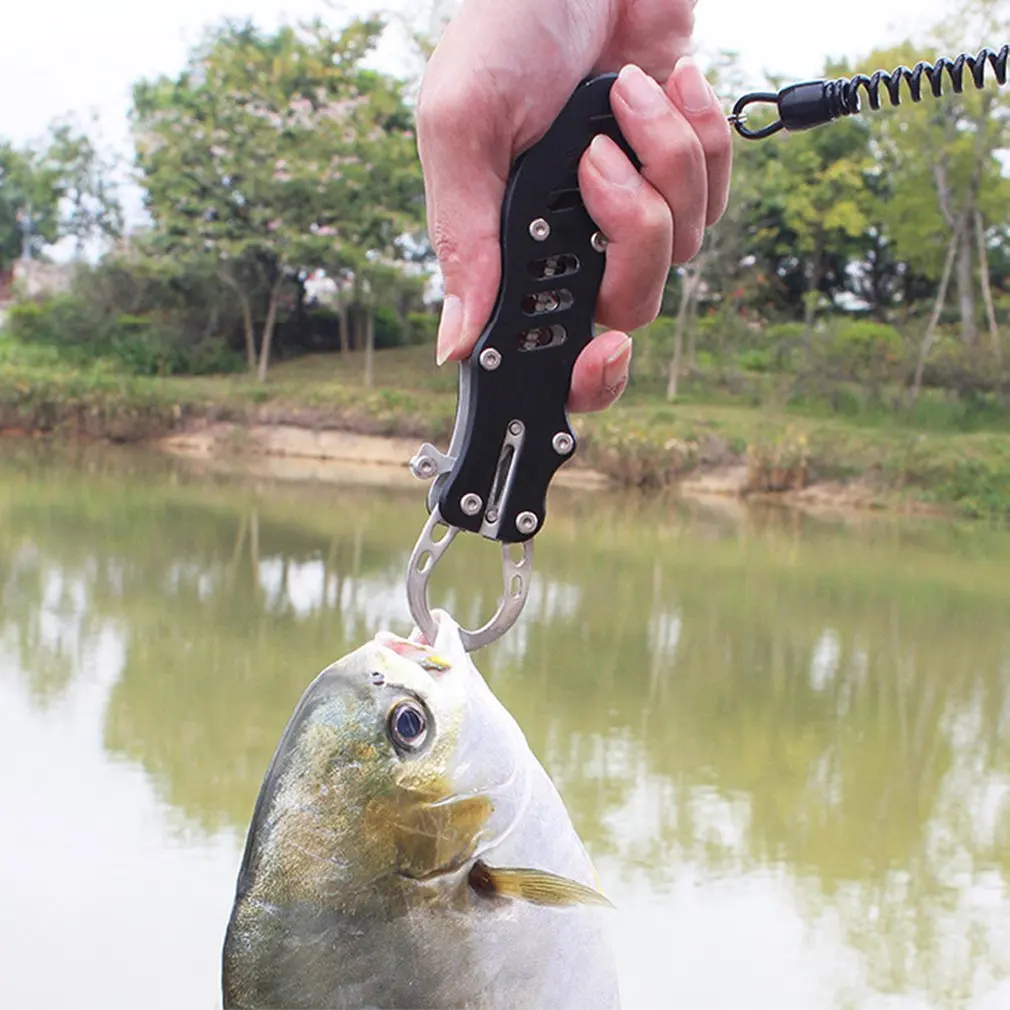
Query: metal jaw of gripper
x: 516, y: 573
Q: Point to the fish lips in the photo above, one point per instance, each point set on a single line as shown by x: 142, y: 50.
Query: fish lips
x: 445, y: 654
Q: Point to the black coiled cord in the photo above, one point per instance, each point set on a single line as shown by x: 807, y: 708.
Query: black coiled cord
x: 813, y: 103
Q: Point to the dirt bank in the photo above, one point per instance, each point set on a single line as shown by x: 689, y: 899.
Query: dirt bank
x: 292, y: 452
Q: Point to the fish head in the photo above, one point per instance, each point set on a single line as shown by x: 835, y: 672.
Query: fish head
x: 398, y: 764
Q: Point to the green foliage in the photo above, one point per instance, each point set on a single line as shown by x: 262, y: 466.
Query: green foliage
x: 969, y: 371
x: 389, y: 330
x: 280, y: 144
x: 29, y: 202
x: 61, y: 188
x: 39, y: 393
x: 278, y: 154
x: 77, y: 331
x: 423, y: 327
x: 980, y: 487
x: 782, y: 335
x: 757, y: 359
x: 863, y: 351
x: 638, y: 455
x: 780, y: 463
x: 652, y: 350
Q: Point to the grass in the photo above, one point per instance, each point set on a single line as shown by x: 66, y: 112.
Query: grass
x: 644, y: 441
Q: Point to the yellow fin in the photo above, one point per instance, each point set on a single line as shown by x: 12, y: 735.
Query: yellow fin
x: 535, y: 886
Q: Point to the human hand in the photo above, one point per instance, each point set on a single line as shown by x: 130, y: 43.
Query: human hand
x: 498, y: 78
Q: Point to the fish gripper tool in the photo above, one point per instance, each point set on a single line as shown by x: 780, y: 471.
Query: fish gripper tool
x: 512, y: 430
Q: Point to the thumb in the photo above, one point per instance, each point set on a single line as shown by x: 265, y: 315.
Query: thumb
x: 465, y: 148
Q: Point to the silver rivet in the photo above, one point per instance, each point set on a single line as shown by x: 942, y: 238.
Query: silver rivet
x: 490, y: 359
x: 470, y: 504
x: 516, y: 428
x: 492, y: 515
x: 539, y: 229
x: 562, y: 443
x: 599, y: 241
x: 526, y: 522
x: 423, y: 468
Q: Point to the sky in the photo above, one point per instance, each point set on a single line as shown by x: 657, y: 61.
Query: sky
x: 64, y: 56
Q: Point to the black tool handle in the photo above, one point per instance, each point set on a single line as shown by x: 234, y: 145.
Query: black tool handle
x: 521, y: 368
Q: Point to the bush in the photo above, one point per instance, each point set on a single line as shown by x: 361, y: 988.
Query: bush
x: 422, y: 327
x: 782, y: 464
x: 725, y: 333
x: 650, y: 359
x: 784, y: 342
x: 76, y: 328
x: 967, y: 371
x: 863, y: 351
x: 78, y: 331
x: 783, y: 335
x: 388, y: 328
x: 757, y: 360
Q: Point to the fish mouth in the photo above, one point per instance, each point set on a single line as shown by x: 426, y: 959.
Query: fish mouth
x: 439, y: 657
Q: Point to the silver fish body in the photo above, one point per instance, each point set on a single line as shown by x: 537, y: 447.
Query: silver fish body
x: 384, y: 870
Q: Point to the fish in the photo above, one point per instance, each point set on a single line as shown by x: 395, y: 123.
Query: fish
x: 408, y: 850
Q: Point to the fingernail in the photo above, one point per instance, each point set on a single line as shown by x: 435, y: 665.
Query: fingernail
x: 644, y: 95
x: 615, y: 368
x: 609, y: 160
x: 450, y: 329
x: 695, y: 93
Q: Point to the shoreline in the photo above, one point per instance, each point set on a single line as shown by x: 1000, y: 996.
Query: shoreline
x: 283, y: 451
x: 290, y: 452
x: 304, y: 453
x: 316, y: 427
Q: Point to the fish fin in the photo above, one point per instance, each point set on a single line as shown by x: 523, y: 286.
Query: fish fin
x: 535, y: 886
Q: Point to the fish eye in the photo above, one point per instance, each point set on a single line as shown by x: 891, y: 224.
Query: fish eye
x: 408, y: 725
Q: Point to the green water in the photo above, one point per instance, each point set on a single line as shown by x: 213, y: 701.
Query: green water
x: 785, y: 741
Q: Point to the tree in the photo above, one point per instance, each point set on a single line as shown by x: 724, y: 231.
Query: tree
x: 29, y: 205
x: 943, y: 159
x: 62, y: 187
x: 90, y: 207
x: 815, y: 184
x: 279, y: 154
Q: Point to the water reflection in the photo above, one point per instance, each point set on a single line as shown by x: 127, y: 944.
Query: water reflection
x: 784, y: 740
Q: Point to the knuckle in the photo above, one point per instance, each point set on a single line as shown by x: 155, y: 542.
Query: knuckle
x: 717, y: 206
x: 717, y: 137
x: 646, y: 218
x: 688, y: 241
x: 440, y: 111
x: 453, y: 111
x: 656, y: 218
x: 687, y: 155
x: 679, y: 155
x: 611, y: 392
x: 445, y: 242
x: 647, y: 310
x: 635, y: 309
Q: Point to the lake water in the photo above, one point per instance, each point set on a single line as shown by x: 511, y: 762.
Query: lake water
x: 785, y: 740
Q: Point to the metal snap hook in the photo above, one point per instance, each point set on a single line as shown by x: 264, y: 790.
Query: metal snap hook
x: 426, y: 554
x: 738, y: 117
